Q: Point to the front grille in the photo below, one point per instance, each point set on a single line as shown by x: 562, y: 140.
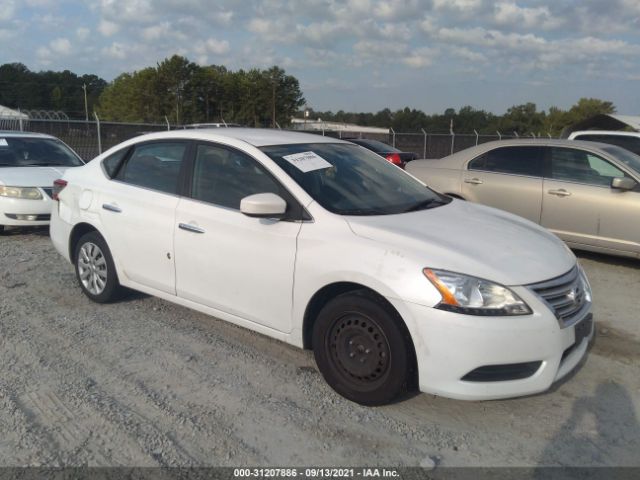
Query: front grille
x: 48, y: 191
x: 566, y: 296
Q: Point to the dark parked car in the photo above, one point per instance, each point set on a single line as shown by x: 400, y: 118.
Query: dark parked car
x: 395, y: 156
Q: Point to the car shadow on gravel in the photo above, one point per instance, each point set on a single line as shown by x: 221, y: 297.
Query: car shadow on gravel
x: 15, y: 231
x: 602, y: 430
x: 610, y: 259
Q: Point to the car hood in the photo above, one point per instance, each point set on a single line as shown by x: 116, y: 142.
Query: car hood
x: 474, y: 240
x: 30, y: 176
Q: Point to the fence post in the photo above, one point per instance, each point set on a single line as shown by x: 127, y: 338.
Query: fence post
x: 20, y: 120
x: 453, y: 139
x: 98, y: 129
x: 424, y: 148
x: 476, y: 132
x: 167, y: 120
x: 393, y: 142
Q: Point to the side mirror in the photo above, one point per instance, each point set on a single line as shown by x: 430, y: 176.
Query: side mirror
x: 263, y: 205
x: 623, y: 183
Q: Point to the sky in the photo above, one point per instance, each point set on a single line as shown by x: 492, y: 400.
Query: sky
x: 354, y: 55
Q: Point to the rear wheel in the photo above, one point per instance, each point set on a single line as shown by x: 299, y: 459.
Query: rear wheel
x: 1, y: 229
x: 361, y: 349
x: 95, y: 269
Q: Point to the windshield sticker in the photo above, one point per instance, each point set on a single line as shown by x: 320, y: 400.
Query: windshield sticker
x: 3, y: 142
x: 307, y: 161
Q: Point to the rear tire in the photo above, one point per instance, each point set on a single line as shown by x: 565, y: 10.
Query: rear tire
x: 95, y: 269
x: 1, y: 229
x: 362, y: 349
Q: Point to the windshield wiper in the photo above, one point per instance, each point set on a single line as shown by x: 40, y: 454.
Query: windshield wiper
x: 425, y: 204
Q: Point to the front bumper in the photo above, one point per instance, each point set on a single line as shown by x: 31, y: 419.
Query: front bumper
x: 450, y: 346
x: 16, y: 211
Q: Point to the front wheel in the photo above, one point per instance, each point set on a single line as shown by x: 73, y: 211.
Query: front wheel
x: 362, y: 349
x: 95, y: 269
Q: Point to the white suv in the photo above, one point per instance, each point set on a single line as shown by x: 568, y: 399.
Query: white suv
x: 325, y: 245
x: 627, y: 140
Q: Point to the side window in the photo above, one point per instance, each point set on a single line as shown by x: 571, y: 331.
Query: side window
x: 112, y: 162
x: 514, y: 160
x: 224, y: 176
x: 582, y: 167
x: 155, y: 166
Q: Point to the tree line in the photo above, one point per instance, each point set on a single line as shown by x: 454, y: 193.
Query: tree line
x: 184, y: 92
x: 522, y: 120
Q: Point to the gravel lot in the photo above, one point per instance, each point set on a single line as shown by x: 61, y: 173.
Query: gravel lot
x: 143, y: 382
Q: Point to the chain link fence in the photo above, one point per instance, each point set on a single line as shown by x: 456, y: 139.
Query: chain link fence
x: 90, y: 138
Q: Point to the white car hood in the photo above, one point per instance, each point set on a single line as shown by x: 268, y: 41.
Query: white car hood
x: 30, y: 176
x: 472, y: 239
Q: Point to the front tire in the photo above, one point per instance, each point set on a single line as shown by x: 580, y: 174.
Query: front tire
x: 362, y: 349
x: 95, y: 269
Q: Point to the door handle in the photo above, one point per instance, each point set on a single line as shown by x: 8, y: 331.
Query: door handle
x: 473, y: 181
x: 560, y: 192
x: 111, y: 208
x: 190, y: 228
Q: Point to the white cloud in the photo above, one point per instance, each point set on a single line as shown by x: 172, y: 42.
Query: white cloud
x: 420, y: 58
x: 116, y: 50
x: 7, y: 9
x: 511, y: 15
x: 108, y: 28
x: 60, y: 46
x: 82, y: 33
x: 213, y: 46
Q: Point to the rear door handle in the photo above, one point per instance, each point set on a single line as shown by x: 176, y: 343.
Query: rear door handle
x: 111, y: 208
x: 473, y: 181
x: 190, y: 228
x: 560, y: 192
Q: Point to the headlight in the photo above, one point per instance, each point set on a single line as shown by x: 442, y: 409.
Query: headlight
x: 27, y: 193
x: 584, y: 281
x: 474, y: 296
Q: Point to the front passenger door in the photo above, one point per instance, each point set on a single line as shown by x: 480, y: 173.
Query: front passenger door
x: 580, y: 206
x: 226, y: 260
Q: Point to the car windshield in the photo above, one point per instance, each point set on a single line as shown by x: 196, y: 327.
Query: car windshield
x: 36, y: 152
x: 376, y: 146
x: 630, y: 159
x: 349, y: 180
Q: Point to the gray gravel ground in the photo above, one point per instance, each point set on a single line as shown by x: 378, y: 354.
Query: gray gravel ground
x: 145, y: 383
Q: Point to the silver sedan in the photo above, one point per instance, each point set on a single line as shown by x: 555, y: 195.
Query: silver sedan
x: 586, y: 193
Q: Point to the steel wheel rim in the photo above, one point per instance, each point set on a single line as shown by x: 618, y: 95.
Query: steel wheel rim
x: 359, y: 350
x: 92, y: 268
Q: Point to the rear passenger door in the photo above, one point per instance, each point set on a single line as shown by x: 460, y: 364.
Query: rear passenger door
x: 137, y: 210
x: 509, y: 178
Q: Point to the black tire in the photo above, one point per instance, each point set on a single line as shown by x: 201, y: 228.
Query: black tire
x: 362, y: 349
x: 102, y: 268
x: 1, y: 229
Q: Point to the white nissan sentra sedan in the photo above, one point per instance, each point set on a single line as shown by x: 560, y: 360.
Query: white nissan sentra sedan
x: 325, y: 245
x: 29, y: 163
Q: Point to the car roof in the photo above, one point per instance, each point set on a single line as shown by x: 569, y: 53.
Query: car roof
x: 15, y: 133
x: 258, y: 137
x: 605, y: 132
x: 461, y: 157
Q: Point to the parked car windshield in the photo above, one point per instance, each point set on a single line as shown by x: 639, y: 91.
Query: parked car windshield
x: 630, y: 159
x: 36, y: 152
x: 349, y: 180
